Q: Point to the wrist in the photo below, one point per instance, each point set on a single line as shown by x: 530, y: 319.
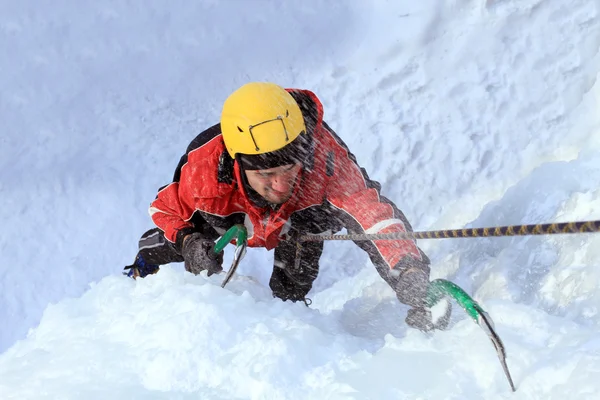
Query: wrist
x: 181, y: 234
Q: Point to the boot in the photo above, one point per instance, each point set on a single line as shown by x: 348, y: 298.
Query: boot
x: 140, y: 269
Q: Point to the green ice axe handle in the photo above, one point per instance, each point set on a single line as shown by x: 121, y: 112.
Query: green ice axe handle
x: 440, y: 288
x: 240, y: 234
x: 237, y: 232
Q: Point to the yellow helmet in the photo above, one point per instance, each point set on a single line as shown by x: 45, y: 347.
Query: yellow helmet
x: 260, y: 118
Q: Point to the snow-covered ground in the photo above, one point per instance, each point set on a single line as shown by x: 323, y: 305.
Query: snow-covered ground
x: 470, y: 113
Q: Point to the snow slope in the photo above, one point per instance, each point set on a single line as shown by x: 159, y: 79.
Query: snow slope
x: 470, y: 113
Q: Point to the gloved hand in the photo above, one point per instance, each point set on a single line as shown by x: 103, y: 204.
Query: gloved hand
x: 412, y: 287
x: 419, y: 318
x: 198, y: 255
x: 412, y: 290
x: 422, y: 319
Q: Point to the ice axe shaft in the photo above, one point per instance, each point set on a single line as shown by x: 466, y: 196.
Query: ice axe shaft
x: 240, y: 234
x: 441, y: 288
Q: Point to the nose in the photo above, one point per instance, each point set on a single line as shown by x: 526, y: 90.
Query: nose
x: 280, y: 184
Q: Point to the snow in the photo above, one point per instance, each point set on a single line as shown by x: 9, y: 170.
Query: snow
x: 470, y: 114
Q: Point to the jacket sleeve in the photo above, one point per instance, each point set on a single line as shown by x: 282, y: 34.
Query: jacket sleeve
x: 361, y: 208
x: 172, y: 212
x: 174, y: 206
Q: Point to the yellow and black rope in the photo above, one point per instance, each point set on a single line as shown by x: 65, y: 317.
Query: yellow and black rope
x: 512, y: 230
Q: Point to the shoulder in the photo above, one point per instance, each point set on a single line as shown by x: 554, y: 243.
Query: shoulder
x: 208, y: 168
x: 330, y: 141
x: 204, y: 150
x: 207, y: 139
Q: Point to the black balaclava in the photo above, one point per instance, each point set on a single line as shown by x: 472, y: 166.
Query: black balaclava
x: 298, y: 151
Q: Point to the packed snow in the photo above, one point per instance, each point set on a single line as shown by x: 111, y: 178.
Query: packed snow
x: 469, y: 113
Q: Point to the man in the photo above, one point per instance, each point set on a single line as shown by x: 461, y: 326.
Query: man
x: 275, y: 166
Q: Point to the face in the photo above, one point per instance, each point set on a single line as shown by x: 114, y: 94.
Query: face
x: 274, y: 184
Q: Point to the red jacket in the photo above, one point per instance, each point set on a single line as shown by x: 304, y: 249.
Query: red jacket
x: 208, y: 184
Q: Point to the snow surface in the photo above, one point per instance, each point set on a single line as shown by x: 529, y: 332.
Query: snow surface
x: 470, y: 113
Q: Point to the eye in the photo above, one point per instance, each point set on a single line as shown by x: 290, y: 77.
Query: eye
x: 287, y: 113
x: 240, y: 129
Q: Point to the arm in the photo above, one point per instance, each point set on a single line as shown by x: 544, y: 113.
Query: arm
x: 362, y: 209
x: 174, y: 206
x: 171, y: 213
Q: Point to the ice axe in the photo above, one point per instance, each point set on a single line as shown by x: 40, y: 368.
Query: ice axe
x: 240, y: 234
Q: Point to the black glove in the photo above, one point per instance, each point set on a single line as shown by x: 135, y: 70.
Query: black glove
x: 421, y: 318
x: 199, y: 255
x: 285, y: 288
x: 412, y: 287
x: 412, y: 290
